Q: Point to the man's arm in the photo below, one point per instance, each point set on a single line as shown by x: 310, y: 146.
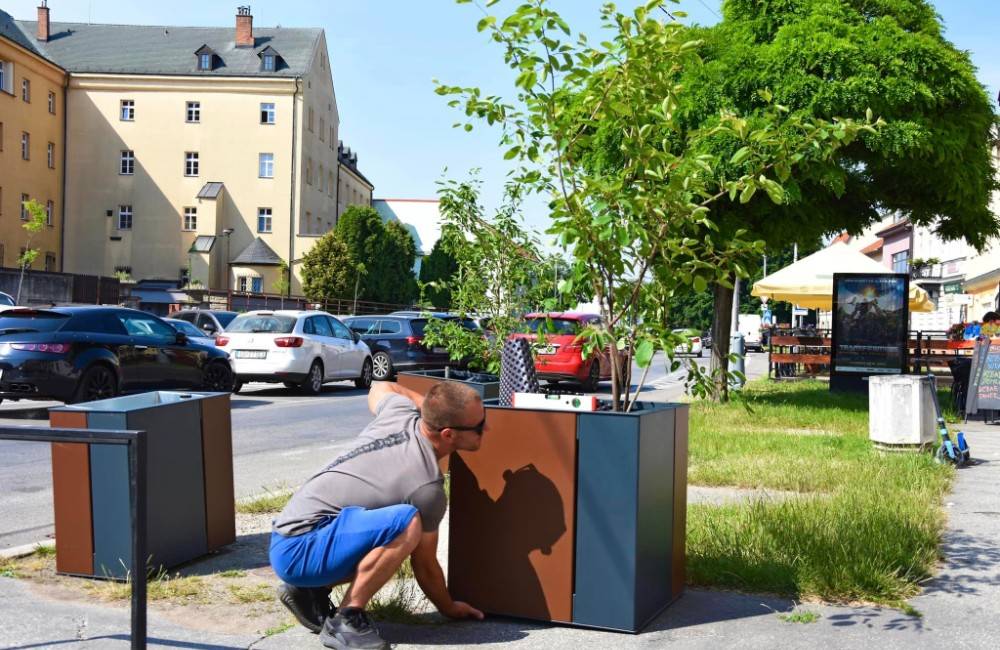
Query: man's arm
x: 381, y: 389
x: 430, y: 577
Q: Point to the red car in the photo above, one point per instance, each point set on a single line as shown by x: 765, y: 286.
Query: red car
x: 560, y: 354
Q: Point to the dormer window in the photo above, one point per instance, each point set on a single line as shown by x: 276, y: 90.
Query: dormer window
x: 269, y: 59
x: 206, y: 58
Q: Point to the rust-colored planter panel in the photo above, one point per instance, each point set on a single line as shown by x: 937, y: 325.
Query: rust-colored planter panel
x: 71, y: 499
x: 513, y: 516
x: 217, y: 454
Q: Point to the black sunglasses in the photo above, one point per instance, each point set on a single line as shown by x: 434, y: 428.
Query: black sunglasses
x: 478, y: 428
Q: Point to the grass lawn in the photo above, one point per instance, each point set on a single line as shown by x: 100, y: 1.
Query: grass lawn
x: 866, y: 528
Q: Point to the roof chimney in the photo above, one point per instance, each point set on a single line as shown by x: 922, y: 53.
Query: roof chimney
x: 43, y: 22
x: 244, y: 27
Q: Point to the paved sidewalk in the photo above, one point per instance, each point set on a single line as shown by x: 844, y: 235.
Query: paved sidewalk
x: 960, y: 605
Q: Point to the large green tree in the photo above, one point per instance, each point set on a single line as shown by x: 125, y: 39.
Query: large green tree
x: 435, y: 271
x: 328, y: 271
x: 827, y: 58
x: 387, y: 252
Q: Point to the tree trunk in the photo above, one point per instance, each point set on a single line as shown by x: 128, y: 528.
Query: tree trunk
x: 721, y: 329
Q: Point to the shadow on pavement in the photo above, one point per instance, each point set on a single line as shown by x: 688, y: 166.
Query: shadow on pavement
x: 701, y: 607
x: 248, y: 403
x: 247, y: 553
x: 466, y: 633
x: 153, y: 642
x: 970, y: 564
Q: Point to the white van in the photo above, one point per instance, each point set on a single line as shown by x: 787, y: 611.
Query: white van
x: 749, y: 327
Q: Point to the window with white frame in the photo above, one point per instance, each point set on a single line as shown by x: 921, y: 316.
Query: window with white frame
x: 205, y: 61
x: 263, y: 219
x: 126, y: 164
x: 3, y: 75
x: 242, y: 283
x: 124, y: 217
x: 50, y: 155
x: 52, y: 102
x: 193, y: 112
x: 901, y: 262
x: 267, y: 113
x: 190, y: 218
x: 265, y: 165
x: 24, y: 207
x: 269, y: 63
x: 50, y: 262
x: 49, y: 208
x: 25, y: 145
x: 191, y: 163
x: 128, y: 110
x: 257, y: 284
x: 26, y: 90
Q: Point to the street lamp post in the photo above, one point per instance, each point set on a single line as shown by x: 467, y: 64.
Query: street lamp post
x: 227, y: 232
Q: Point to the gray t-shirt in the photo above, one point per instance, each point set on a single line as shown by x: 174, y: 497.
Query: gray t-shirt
x: 393, y: 463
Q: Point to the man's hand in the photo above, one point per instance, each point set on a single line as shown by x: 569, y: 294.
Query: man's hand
x: 460, y: 610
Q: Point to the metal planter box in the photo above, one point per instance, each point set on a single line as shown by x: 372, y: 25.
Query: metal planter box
x: 576, y: 518
x: 901, y: 411
x: 422, y: 380
x: 189, y: 482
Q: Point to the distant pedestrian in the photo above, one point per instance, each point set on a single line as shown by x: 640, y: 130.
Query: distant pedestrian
x: 362, y: 515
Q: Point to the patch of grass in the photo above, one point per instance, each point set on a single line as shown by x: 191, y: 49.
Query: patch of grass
x: 232, y: 573
x: 800, y: 616
x: 267, y: 503
x: 8, y: 569
x: 910, y: 610
x: 279, y: 628
x: 256, y: 593
x: 162, y: 586
x: 45, y: 550
x: 869, y: 533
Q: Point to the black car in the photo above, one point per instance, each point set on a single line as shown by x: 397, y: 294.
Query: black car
x: 396, y: 342
x: 78, y: 354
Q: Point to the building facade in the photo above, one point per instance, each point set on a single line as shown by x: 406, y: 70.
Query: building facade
x: 206, y: 155
x: 32, y: 144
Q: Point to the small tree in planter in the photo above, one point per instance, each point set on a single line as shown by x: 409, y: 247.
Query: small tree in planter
x: 497, y: 277
x: 34, y: 225
x: 641, y: 228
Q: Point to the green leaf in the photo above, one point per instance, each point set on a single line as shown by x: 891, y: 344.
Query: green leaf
x: 644, y: 352
x: 740, y: 155
x: 748, y: 193
x: 700, y: 283
x: 485, y: 22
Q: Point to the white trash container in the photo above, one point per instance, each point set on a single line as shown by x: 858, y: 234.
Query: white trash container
x: 901, y: 412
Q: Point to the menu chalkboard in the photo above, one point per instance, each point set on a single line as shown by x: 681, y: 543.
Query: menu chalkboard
x: 984, y: 380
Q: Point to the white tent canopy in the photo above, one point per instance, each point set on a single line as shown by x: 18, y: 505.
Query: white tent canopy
x: 809, y: 282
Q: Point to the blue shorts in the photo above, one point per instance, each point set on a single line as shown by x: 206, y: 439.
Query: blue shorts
x: 331, y: 552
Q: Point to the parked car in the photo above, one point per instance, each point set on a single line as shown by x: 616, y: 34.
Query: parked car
x: 396, y: 342
x: 6, y: 300
x: 194, y: 334
x: 559, y: 355
x: 78, y: 354
x: 210, y: 321
x: 301, y: 349
x: 749, y: 327
x: 693, y: 346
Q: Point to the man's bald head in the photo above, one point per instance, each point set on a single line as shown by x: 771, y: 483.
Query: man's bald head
x: 449, y: 404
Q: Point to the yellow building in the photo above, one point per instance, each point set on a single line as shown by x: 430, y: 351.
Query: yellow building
x: 207, y: 154
x: 32, y: 140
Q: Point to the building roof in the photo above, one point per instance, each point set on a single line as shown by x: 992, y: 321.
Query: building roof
x: 258, y: 253
x: 349, y: 159
x: 168, y: 50
x: 873, y: 247
x: 210, y: 190
x: 10, y: 30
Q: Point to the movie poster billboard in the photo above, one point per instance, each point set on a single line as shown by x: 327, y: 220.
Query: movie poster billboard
x: 870, y: 324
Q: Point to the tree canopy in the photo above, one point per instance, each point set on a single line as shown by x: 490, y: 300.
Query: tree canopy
x: 328, y: 271
x: 438, y: 268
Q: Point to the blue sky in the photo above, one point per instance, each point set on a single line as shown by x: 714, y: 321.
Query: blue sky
x: 385, y: 53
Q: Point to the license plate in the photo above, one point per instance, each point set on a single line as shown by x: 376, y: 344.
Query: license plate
x: 439, y: 350
x: 547, y: 349
x: 251, y: 354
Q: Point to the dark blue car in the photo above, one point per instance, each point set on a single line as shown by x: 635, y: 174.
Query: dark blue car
x: 396, y: 342
x: 79, y: 354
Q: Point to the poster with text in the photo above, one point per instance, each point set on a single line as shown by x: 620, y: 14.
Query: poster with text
x: 870, y: 323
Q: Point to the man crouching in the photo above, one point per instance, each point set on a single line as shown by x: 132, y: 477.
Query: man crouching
x: 362, y: 515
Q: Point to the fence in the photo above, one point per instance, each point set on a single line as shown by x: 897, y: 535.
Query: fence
x: 136, y: 443
x: 50, y: 287
x: 800, y: 352
x: 240, y: 301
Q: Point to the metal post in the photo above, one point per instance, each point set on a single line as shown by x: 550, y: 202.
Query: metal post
x: 735, y: 324
x: 137, y: 481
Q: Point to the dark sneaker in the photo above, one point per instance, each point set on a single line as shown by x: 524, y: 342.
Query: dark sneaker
x: 349, y: 629
x: 311, y: 606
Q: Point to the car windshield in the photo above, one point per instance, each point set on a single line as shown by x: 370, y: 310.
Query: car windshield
x: 269, y: 323
x: 225, y: 317
x: 6, y: 300
x: 185, y: 327
x: 553, y: 325
x: 31, y: 320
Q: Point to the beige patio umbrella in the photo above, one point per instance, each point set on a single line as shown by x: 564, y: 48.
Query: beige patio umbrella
x: 809, y: 282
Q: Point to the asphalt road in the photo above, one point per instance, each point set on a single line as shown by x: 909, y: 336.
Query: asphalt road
x: 279, y: 438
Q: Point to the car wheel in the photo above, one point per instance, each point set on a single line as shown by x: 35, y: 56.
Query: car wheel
x: 701, y: 353
x: 218, y: 378
x: 365, y: 380
x: 593, y: 377
x: 381, y: 366
x: 97, y: 382
x: 313, y: 383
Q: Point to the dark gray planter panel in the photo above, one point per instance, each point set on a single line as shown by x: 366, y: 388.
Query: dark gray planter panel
x: 175, y: 487
x: 109, y: 490
x: 606, y: 524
